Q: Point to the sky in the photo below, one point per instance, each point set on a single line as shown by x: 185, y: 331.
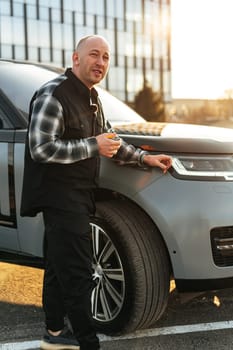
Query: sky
x: 201, y: 48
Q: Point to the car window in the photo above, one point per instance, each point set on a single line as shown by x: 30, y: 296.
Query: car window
x: 10, y: 117
x: 4, y: 122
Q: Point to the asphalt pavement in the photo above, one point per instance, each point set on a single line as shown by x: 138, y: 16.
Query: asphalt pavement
x: 191, y: 322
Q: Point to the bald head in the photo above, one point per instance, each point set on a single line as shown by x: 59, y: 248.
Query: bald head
x: 90, y: 38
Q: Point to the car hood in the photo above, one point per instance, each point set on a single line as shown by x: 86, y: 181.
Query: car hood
x: 182, y: 138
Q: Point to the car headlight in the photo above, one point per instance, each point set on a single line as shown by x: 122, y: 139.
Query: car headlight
x: 213, y: 168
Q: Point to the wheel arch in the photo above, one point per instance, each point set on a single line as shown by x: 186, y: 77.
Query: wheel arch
x: 103, y: 194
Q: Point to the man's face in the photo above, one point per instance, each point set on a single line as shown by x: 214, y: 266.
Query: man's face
x: 91, y: 62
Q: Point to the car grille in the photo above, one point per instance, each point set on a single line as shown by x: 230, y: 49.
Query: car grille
x: 222, y: 245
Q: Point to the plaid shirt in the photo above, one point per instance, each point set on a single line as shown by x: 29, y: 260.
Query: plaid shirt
x: 45, y: 136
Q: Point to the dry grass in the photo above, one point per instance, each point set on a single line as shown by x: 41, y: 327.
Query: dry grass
x: 20, y: 284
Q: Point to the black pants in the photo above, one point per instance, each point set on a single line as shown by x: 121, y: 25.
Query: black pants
x: 68, y: 274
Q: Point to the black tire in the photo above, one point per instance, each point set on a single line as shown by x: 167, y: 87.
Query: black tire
x: 132, y: 269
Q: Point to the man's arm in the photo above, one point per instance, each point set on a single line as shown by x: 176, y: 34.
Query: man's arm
x: 45, y: 135
x: 128, y: 154
x: 162, y: 161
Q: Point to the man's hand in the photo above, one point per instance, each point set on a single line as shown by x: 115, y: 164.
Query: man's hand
x: 162, y: 161
x: 108, y: 147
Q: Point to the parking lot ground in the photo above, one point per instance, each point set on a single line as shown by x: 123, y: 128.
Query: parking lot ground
x: 199, y: 322
x: 217, y: 335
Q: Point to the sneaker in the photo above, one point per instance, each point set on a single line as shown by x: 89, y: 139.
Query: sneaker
x: 64, y: 341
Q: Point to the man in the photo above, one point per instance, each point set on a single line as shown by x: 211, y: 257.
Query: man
x: 66, y: 136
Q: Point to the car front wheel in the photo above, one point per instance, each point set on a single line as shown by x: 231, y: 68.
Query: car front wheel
x: 131, y: 268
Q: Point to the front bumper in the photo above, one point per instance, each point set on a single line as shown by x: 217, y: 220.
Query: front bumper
x: 186, y: 212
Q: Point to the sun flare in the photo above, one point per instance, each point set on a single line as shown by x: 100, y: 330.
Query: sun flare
x: 202, y: 54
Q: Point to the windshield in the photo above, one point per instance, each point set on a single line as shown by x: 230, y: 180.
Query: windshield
x: 19, y: 81
x: 116, y: 111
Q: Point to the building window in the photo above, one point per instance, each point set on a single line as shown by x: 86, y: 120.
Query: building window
x: 138, y: 31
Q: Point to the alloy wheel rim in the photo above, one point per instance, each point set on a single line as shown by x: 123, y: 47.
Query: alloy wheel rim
x: 109, y: 294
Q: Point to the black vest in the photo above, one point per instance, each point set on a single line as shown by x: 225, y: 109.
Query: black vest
x: 64, y: 186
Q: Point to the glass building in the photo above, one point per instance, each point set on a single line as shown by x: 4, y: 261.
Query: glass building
x: 138, y: 31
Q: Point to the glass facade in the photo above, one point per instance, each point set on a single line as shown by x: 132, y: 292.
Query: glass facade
x: 138, y: 31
